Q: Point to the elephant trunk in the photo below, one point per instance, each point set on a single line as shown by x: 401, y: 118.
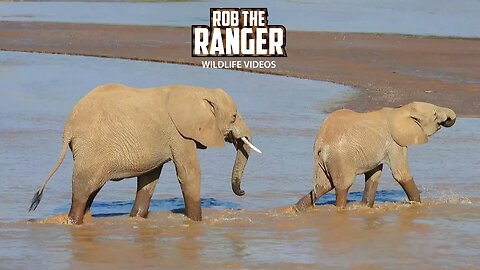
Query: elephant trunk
x: 241, y: 137
x: 239, y: 166
x: 450, y: 120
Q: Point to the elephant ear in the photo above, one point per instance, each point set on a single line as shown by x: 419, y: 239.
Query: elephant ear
x: 194, y: 116
x: 405, y: 127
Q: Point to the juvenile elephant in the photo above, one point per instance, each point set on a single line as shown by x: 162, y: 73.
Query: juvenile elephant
x: 351, y: 143
x: 117, y: 132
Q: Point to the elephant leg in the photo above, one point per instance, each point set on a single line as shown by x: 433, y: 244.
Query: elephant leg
x: 188, y: 174
x: 401, y: 173
x: 411, y: 190
x: 85, y: 187
x: 309, y: 200
x: 77, y: 209
x: 342, y: 179
x: 80, y: 200
x: 341, y: 192
x: 341, y: 197
x: 372, y: 179
x: 145, y: 186
x: 322, y: 186
x: 90, y: 201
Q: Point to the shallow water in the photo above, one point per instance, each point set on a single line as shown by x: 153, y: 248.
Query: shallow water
x: 427, y: 17
x: 252, y: 232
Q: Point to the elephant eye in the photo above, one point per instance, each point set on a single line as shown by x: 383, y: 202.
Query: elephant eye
x: 417, y: 121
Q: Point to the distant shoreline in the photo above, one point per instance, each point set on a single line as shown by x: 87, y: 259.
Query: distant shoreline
x: 388, y: 69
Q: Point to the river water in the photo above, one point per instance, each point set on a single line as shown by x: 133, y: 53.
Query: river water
x: 249, y: 232
x: 425, y: 17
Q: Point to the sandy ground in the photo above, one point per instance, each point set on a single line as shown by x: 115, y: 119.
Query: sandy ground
x: 390, y: 70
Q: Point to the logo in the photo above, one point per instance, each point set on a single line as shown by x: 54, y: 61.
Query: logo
x: 241, y: 32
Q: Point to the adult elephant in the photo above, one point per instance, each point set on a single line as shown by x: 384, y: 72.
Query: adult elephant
x: 351, y: 143
x: 117, y: 132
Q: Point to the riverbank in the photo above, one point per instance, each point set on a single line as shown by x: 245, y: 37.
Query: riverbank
x: 389, y: 70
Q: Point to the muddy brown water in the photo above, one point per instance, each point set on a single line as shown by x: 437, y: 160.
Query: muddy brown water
x: 249, y: 232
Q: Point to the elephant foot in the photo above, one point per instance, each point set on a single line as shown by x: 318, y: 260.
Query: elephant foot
x: 145, y: 186
x: 74, y: 220
x: 371, y: 184
x: 138, y: 212
x: 411, y: 190
x: 195, y: 218
x: 370, y: 193
x: 304, y: 203
x: 368, y: 201
x: 341, y: 197
x: 193, y: 208
x: 79, y: 220
x: 141, y: 205
x: 77, y: 211
x: 194, y: 214
x: 308, y: 201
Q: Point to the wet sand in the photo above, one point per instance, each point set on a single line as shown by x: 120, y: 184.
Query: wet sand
x: 389, y: 70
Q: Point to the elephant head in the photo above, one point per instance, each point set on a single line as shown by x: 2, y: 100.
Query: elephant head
x: 416, y: 121
x: 210, y: 117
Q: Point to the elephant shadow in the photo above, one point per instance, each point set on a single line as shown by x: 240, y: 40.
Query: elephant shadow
x: 175, y: 205
x: 391, y: 195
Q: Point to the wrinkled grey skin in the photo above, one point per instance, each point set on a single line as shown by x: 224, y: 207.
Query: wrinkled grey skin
x: 351, y: 143
x: 118, y: 132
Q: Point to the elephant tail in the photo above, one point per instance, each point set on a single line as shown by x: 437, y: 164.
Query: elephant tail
x: 38, y: 195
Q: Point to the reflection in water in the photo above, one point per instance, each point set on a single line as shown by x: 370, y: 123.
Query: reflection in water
x: 249, y: 232
x: 136, y: 243
x: 176, y: 205
x: 390, y: 234
x: 393, y: 234
x: 381, y: 196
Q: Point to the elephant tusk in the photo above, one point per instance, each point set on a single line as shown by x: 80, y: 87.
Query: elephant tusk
x: 251, y: 145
